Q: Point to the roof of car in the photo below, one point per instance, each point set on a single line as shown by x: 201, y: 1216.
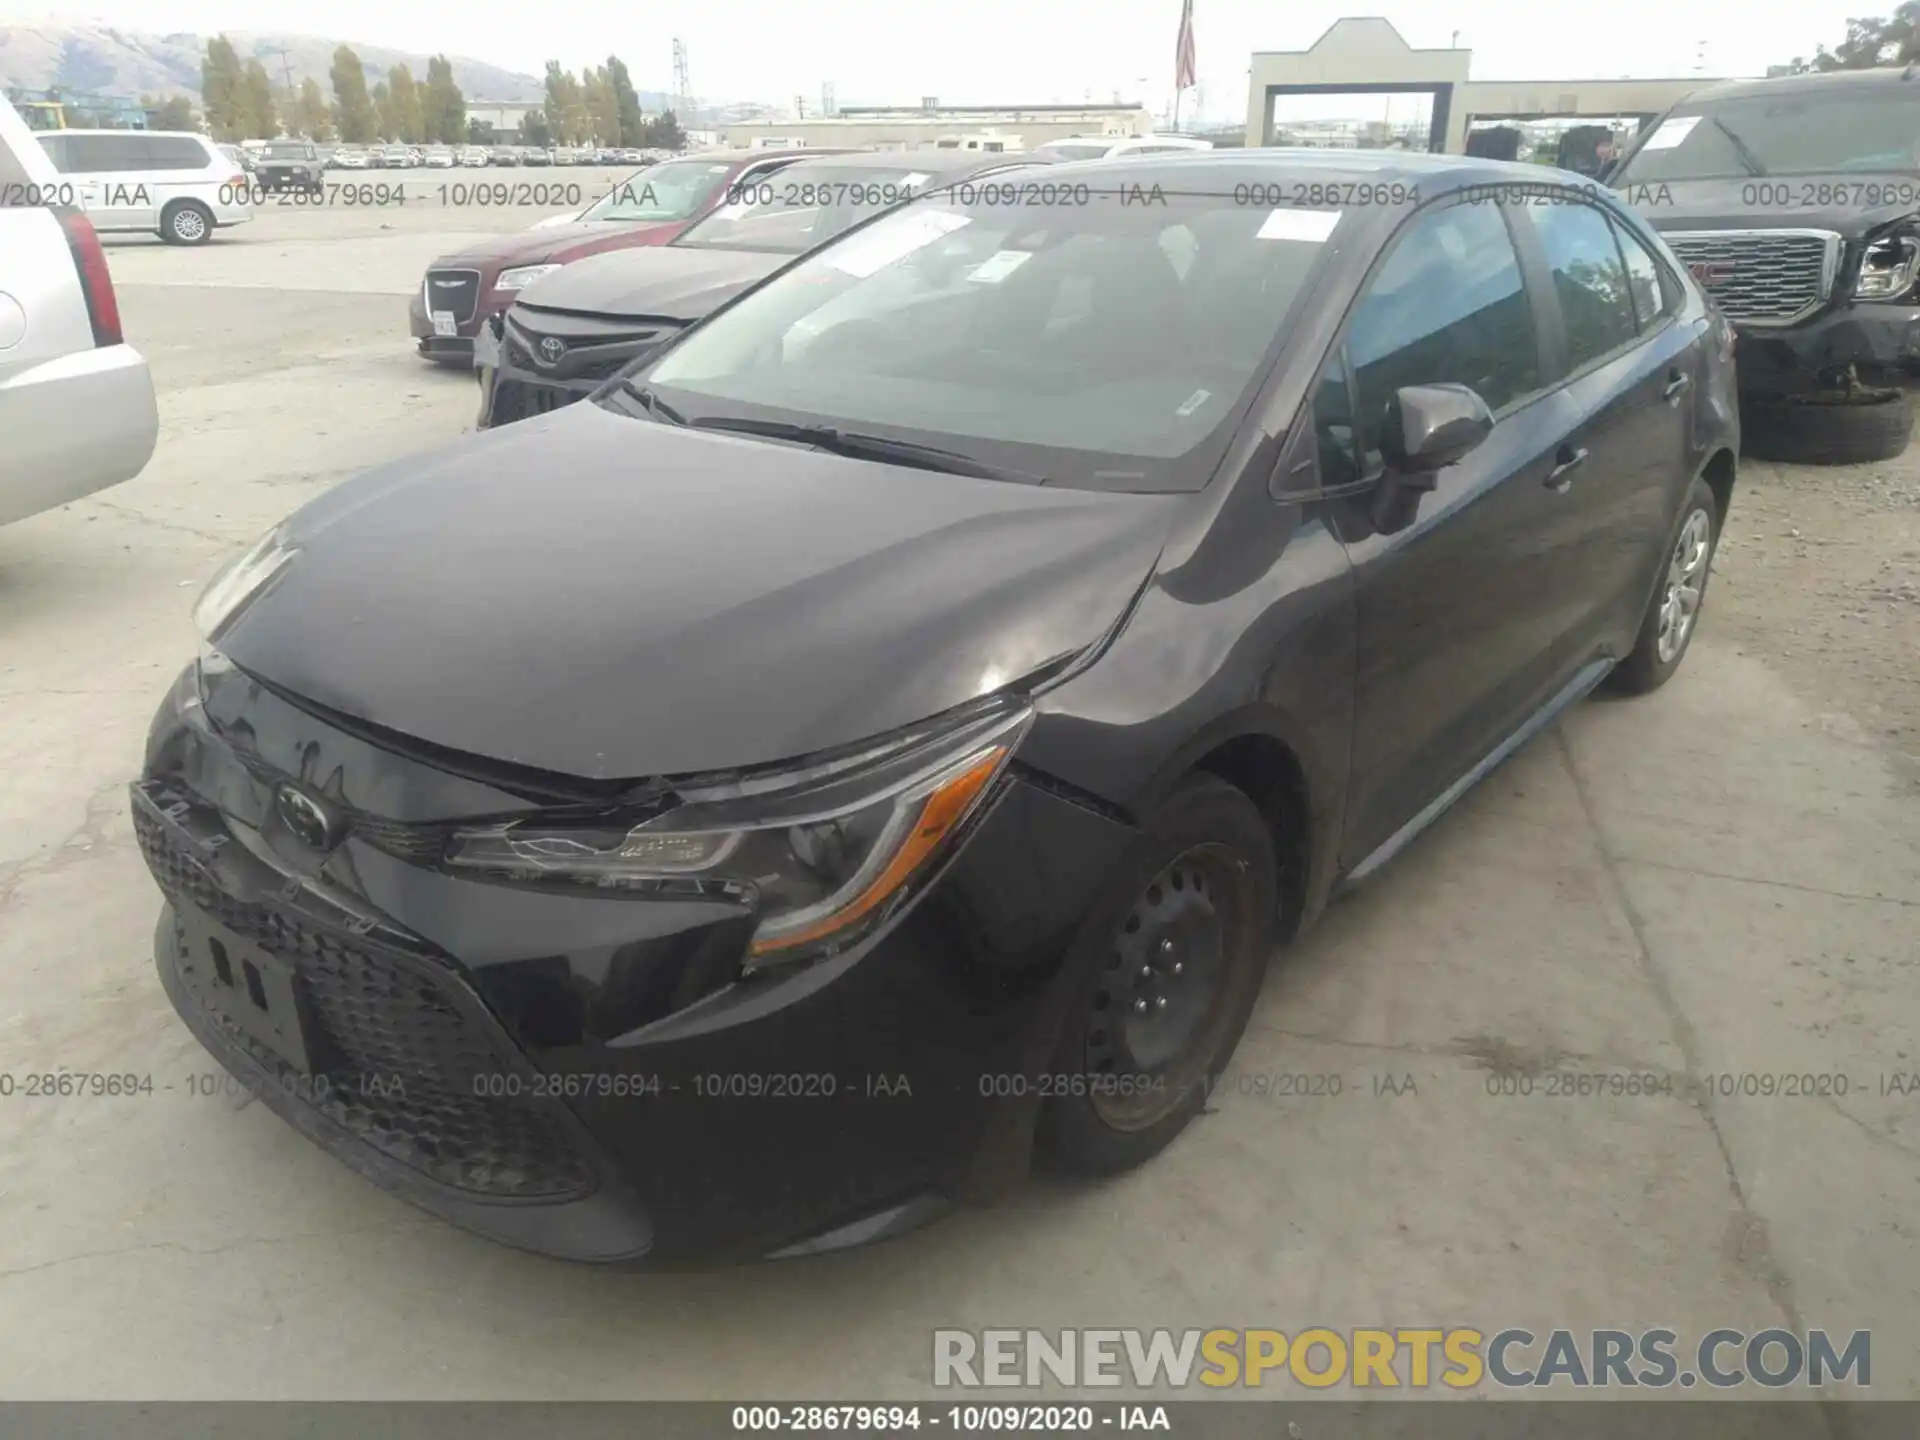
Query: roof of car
x: 933, y: 162
x: 170, y: 134
x: 1818, y: 82
x: 1218, y: 171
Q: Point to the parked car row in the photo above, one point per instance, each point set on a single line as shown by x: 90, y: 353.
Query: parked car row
x: 447, y: 157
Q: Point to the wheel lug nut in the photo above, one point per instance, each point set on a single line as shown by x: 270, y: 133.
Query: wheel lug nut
x: 1139, y: 1007
x: 1178, y: 967
x: 1161, y: 1003
x: 1166, y: 947
x: 1146, y: 972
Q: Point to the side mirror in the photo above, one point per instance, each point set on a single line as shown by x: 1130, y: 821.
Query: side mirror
x: 1429, y: 427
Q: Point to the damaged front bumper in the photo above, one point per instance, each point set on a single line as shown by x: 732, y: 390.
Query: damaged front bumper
x: 592, y: 1076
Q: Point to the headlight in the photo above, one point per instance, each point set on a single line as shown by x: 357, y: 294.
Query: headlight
x: 522, y: 276
x: 240, y: 581
x: 822, y: 854
x: 1888, y: 268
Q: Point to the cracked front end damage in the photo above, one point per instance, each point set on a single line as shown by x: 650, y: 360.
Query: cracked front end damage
x: 580, y: 1071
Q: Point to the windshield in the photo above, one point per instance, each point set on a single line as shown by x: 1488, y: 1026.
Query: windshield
x: 802, y: 207
x: 1097, y: 343
x: 1873, y: 128
x: 673, y: 191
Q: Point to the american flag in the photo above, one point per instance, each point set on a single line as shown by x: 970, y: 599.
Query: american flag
x: 1183, y: 52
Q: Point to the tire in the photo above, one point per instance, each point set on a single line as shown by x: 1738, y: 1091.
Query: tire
x: 186, y: 222
x: 1815, y: 433
x: 1202, y: 882
x: 1655, y: 658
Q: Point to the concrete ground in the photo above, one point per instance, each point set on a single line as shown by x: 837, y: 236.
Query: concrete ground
x: 1721, y: 879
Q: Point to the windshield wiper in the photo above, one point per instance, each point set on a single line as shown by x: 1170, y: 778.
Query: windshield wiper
x: 870, y: 447
x: 1740, y: 148
x: 651, y: 403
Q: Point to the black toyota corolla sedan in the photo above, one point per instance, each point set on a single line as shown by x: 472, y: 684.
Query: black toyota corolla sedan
x: 882, y: 739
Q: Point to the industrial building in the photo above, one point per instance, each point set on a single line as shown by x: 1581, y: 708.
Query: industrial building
x: 926, y: 125
x: 1367, y: 56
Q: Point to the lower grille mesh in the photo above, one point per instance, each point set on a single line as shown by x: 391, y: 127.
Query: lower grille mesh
x: 402, y: 1052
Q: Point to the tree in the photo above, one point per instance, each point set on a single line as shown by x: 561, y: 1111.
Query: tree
x: 535, y: 131
x: 353, y: 113
x: 404, y: 95
x: 262, y: 121
x: 1869, y: 43
x: 223, y: 90
x: 173, y: 113
x: 309, y: 111
x: 603, y: 108
x: 633, y: 125
x: 566, y: 111
x: 479, y: 132
x: 443, y: 108
x: 389, y: 122
x: 664, y: 132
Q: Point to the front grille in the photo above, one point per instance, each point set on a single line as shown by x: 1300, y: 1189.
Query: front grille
x: 402, y: 1046
x: 1762, y: 277
x: 456, y: 292
x: 515, y: 400
x: 594, y: 349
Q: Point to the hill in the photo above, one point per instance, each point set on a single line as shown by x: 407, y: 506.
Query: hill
x: 127, y: 64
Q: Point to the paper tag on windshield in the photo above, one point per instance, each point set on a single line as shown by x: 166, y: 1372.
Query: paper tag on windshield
x: 1314, y: 225
x: 996, y: 267
x: 915, y: 180
x: 1194, y: 402
x: 871, y: 251
x: 1671, y: 132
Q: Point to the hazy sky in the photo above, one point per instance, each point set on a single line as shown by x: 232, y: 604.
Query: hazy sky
x: 984, y: 51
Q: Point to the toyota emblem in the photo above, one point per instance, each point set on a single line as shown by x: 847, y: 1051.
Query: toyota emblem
x: 553, y: 350
x: 305, y: 818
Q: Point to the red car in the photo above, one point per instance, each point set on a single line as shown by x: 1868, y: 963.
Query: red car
x: 649, y: 207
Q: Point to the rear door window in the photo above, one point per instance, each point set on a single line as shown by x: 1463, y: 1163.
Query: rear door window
x: 1653, y: 298
x: 1589, y: 279
x: 107, y: 154
x: 175, y: 152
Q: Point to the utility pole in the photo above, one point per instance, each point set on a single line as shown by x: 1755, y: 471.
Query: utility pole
x: 286, y: 73
x: 682, y: 91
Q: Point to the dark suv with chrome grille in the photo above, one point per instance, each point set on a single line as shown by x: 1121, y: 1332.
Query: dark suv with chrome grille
x: 1795, y: 202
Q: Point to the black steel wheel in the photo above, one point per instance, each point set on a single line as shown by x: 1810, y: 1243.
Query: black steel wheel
x: 1174, y: 953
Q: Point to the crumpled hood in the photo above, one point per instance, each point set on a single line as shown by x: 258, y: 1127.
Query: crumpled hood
x: 672, y: 281
x: 556, y: 243
x: 1770, y: 203
x: 610, y: 598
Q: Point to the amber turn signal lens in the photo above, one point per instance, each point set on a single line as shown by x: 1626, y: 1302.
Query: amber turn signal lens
x: 941, y: 812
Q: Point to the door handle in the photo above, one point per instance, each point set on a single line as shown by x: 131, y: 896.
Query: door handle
x: 1678, y: 383
x: 1566, y: 461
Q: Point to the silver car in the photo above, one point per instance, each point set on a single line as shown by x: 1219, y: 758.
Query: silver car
x: 76, y: 401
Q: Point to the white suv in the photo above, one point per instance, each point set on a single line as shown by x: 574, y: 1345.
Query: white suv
x: 1101, y: 147
x: 76, y: 402
x: 169, y: 183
